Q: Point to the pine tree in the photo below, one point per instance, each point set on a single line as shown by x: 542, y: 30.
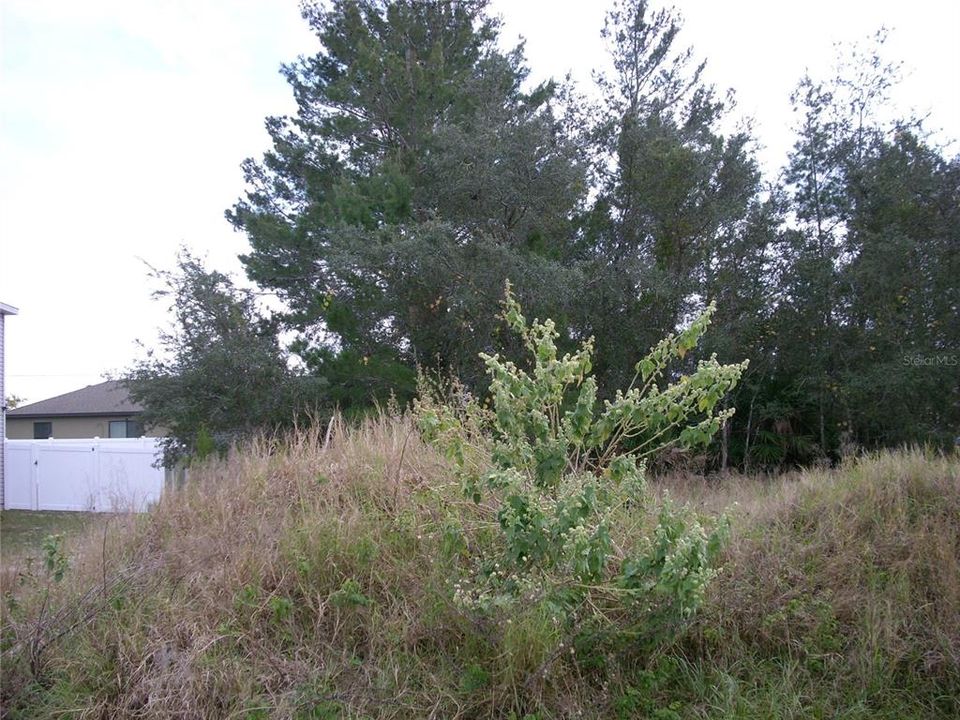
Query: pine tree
x: 417, y: 175
x: 672, y: 186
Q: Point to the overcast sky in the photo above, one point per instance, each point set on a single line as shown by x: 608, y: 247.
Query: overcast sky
x: 123, y: 124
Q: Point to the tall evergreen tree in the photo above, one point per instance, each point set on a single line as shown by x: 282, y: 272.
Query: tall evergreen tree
x: 672, y: 184
x: 903, y: 325
x: 743, y: 278
x: 416, y: 177
x: 868, y: 267
x: 421, y: 171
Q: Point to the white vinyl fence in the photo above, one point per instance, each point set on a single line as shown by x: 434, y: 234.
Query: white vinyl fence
x: 92, y: 475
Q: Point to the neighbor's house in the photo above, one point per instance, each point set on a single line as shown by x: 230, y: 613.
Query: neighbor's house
x: 4, y: 311
x: 104, y: 410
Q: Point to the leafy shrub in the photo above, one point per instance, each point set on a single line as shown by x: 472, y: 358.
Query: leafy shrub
x: 560, y: 469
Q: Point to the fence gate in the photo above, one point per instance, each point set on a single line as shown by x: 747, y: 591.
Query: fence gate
x: 93, y: 475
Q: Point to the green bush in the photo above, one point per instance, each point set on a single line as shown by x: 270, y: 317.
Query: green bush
x: 560, y: 468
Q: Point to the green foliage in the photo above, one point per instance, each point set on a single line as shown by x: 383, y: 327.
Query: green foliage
x: 561, y: 467
x: 677, y: 561
x: 280, y: 608
x: 219, y: 373
x: 868, y: 299
x: 416, y: 175
x: 474, y: 678
x: 55, y: 560
x: 675, y: 194
x: 247, y: 598
x: 204, y: 445
x: 349, y: 595
x: 421, y: 169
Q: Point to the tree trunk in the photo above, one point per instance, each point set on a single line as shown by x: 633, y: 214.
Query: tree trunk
x: 724, y: 443
x: 823, y: 430
x: 746, y: 444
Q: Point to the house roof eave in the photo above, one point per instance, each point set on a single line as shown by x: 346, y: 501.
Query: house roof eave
x: 35, y: 416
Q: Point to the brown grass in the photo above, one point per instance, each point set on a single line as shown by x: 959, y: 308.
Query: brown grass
x: 299, y: 578
x: 855, y: 570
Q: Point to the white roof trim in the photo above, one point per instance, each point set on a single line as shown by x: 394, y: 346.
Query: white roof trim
x: 8, y: 309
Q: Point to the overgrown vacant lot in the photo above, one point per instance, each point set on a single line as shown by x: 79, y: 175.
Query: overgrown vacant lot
x: 295, y: 581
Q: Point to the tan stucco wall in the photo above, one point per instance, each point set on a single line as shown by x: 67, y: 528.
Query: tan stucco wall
x: 73, y: 427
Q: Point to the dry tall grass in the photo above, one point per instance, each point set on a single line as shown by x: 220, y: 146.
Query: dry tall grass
x: 313, y: 579
x: 850, y: 574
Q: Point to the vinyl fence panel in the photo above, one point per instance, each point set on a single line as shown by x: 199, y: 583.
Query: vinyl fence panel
x: 127, y: 478
x: 94, y: 475
x: 66, y: 476
x: 19, y: 493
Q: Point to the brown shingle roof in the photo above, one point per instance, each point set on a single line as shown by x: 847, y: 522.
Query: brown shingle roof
x: 107, y: 398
